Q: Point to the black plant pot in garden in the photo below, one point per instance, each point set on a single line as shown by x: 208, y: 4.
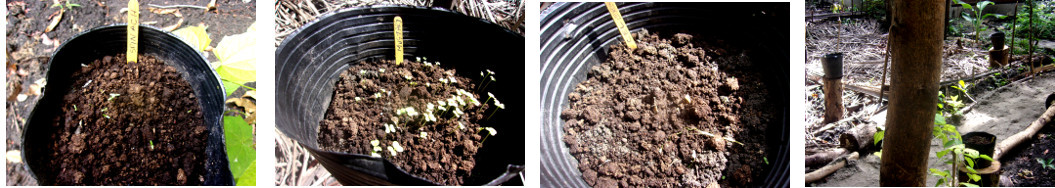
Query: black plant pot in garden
x: 575, y: 36
x: 108, y: 41
x: 997, y: 40
x: 833, y: 65
x: 309, y: 62
x: 984, y: 143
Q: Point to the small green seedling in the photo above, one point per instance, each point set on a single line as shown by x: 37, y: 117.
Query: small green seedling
x: 1049, y: 163
x: 766, y: 160
x: 151, y: 145
x: 377, y: 148
x: 490, y: 132
x: 499, y: 105
x: 67, y: 5
x: 483, y: 83
x: 112, y: 96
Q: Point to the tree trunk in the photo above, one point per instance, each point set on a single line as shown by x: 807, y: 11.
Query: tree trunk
x: 833, y: 100
x: 916, y: 49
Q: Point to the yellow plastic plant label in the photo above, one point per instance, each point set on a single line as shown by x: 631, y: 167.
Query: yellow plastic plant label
x: 133, y: 31
x: 399, y: 39
x: 614, y: 11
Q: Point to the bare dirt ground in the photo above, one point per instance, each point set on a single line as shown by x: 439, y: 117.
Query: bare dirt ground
x: 1004, y: 112
x: 29, y: 47
x: 294, y: 166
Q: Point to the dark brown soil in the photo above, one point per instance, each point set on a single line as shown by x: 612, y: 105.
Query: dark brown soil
x: 1021, y: 168
x: 640, y: 117
x: 368, y: 97
x: 29, y: 48
x: 128, y: 124
x: 980, y: 140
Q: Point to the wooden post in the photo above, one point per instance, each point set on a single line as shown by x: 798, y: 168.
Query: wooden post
x: 916, y: 49
x: 833, y: 89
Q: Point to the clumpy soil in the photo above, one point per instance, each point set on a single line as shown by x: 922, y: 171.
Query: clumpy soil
x: 659, y: 116
x: 367, y: 100
x: 128, y: 124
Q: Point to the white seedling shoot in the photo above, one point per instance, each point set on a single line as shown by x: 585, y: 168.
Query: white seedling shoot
x: 499, y: 105
x: 490, y: 132
x: 397, y: 146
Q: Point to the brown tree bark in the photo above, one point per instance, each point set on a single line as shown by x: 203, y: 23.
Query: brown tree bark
x: 916, y: 41
x: 833, y: 100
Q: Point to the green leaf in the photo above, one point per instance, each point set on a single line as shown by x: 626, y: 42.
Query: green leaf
x: 237, y: 54
x: 968, y: 184
x: 970, y: 163
x: 230, y: 87
x: 974, y: 177
x: 936, y: 172
x: 240, y: 146
x: 877, y: 137
x: 248, y: 178
x: 195, y: 36
x: 942, y: 153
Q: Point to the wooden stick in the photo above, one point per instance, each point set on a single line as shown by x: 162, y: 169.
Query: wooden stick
x: 830, y: 168
x: 623, y: 30
x: 824, y: 157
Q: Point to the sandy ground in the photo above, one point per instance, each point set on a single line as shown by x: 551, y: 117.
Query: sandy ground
x: 1002, y: 112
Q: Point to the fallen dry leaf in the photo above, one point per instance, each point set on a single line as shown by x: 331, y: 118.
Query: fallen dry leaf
x: 173, y: 26
x: 55, y: 20
x: 247, y: 106
x: 163, y: 10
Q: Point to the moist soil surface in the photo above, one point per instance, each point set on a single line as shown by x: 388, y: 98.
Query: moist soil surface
x: 1021, y: 168
x: 128, y: 124
x: 369, y: 104
x: 666, y: 115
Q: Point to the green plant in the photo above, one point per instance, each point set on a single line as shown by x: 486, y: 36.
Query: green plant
x: 1049, y: 163
x: 973, y: 14
x: 954, y: 148
x: 963, y: 88
x: 1043, y: 27
x: 65, y: 5
x: 875, y: 8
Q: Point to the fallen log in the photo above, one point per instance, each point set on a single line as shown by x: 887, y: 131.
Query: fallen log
x: 824, y: 157
x: 859, y: 138
x: 830, y: 168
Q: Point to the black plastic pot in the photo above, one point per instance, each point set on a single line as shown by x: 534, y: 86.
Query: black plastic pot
x: 574, y: 37
x: 833, y: 65
x: 984, y: 148
x: 310, y: 60
x: 110, y: 40
x: 998, y: 40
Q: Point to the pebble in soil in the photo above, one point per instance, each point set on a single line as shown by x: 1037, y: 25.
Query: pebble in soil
x: 672, y: 113
x: 128, y: 124
x: 419, y: 115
